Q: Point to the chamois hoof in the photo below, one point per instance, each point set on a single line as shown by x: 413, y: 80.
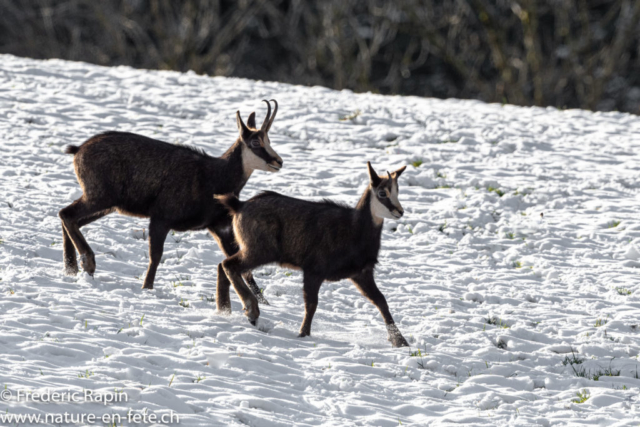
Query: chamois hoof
x: 71, y: 269
x: 88, y: 263
x: 303, y: 334
x: 224, y: 310
x: 150, y: 287
x: 252, y: 316
x: 262, y: 299
x: 396, y: 338
x: 252, y: 319
x: 251, y: 310
x: 399, y: 342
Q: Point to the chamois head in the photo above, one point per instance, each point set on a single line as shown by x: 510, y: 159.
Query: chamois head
x: 256, y: 146
x: 384, y: 194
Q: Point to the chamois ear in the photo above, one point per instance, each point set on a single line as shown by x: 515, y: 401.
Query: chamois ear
x: 251, y: 121
x: 242, y: 128
x: 374, y: 179
x: 396, y: 174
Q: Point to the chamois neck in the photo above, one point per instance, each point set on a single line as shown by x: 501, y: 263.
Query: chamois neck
x: 365, y: 211
x: 235, y: 170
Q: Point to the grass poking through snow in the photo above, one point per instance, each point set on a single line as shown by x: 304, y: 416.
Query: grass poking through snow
x: 496, y: 190
x: 601, y: 322
x: 351, y: 116
x: 497, y: 322
x: 573, y: 360
x: 583, y: 396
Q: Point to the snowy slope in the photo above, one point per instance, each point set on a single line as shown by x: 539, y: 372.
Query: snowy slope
x: 494, y: 295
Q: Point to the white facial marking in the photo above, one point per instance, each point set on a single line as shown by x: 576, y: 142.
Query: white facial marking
x: 380, y: 211
x: 251, y: 162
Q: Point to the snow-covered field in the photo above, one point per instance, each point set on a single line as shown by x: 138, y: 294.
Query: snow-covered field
x: 493, y: 295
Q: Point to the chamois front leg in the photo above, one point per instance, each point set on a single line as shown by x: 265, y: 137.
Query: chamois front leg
x: 157, y: 234
x: 234, y: 267
x: 223, y: 234
x: 367, y: 286
x: 310, y: 291
x: 71, y: 218
x: 70, y: 260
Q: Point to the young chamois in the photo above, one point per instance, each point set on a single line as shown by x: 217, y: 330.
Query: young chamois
x: 326, y: 240
x: 170, y: 184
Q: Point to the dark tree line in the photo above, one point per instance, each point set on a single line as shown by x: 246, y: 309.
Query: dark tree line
x: 565, y: 53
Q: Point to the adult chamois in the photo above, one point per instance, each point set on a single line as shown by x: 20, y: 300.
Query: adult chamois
x: 326, y: 240
x: 170, y: 184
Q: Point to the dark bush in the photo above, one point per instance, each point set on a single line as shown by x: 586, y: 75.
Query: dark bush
x: 565, y: 53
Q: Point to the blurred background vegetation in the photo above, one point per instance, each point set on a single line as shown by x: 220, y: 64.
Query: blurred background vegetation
x: 563, y: 53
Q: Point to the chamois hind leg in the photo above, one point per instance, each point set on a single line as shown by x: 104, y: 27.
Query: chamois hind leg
x: 234, y: 267
x: 228, y: 248
x: 70, y: 261
x: 226, y: 241
x: 251, y: 283
x: 367, y: 286
x: 157, y: 234
x: 223, y: 303
x: 71, y: 217
x: 69, y: 254
x: 310, y: 291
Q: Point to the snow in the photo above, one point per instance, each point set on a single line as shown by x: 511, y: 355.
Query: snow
x: 521, y: 234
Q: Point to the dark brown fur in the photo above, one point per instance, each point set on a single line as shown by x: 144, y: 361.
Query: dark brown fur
x: 170, y: 184
x: 326, y: 240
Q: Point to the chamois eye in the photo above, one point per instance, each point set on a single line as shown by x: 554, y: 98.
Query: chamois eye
x: 382, y: 194
x: 254, y: 143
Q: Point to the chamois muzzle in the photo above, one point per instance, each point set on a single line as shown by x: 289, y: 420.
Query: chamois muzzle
x: 275, y: 164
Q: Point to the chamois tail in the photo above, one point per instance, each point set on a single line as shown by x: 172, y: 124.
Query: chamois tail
x: 230, y: 202
x: 72, y: 149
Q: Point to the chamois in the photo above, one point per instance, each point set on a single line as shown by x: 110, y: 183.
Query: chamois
x: 170, y: 184
x: 328, y: 241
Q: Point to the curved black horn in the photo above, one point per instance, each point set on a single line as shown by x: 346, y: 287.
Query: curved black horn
x: 389, y: 175
x: 275, y: 110
x: 265, y: 124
